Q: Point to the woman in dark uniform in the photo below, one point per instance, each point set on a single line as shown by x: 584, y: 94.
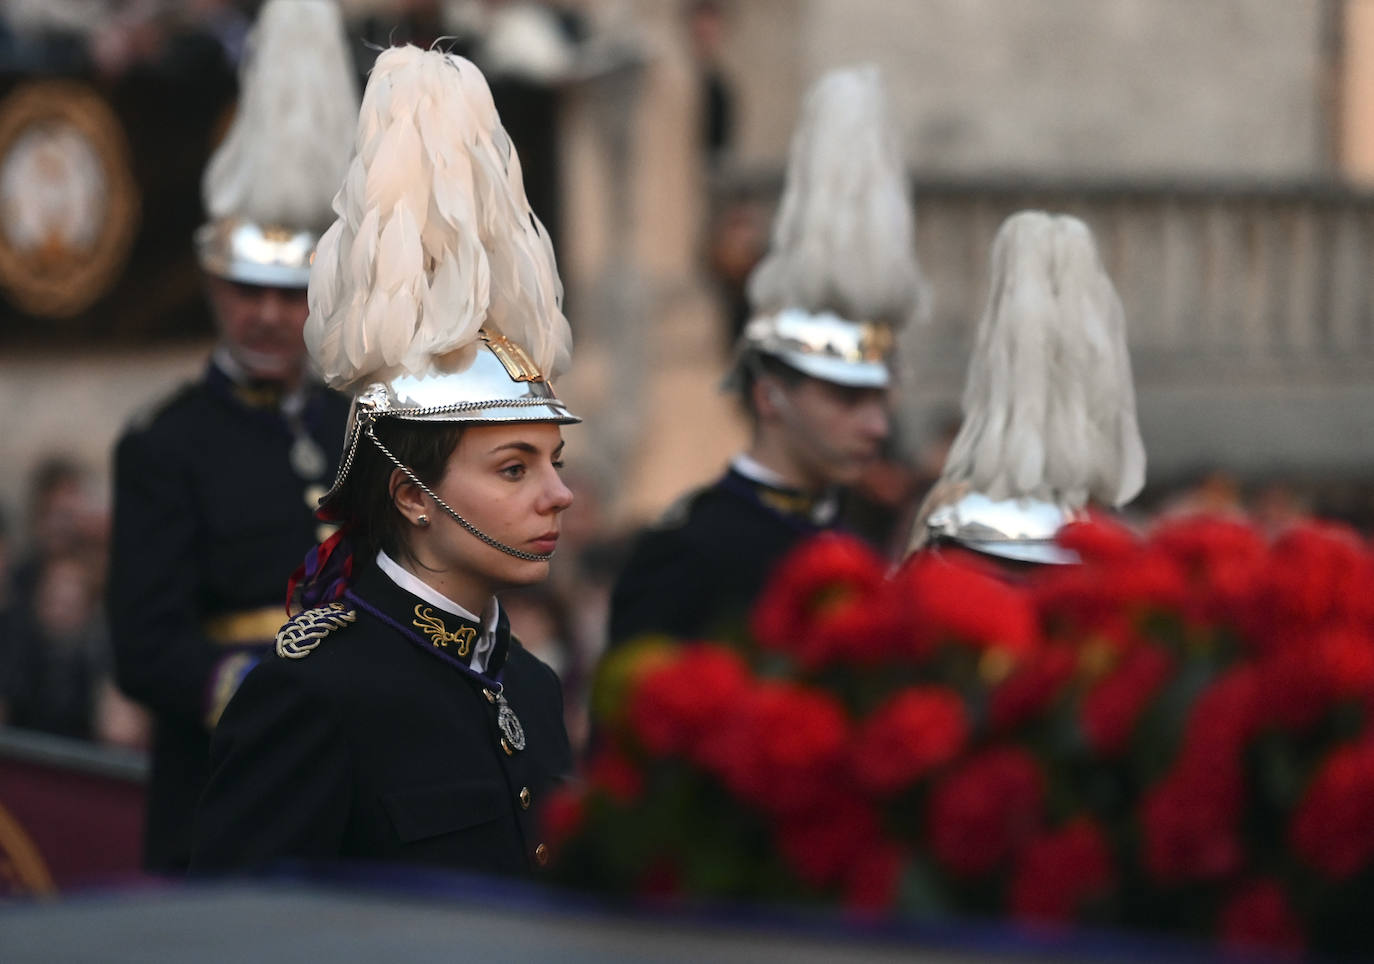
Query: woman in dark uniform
x: 399, y: 720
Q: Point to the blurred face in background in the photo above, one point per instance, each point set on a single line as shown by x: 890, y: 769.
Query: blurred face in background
x: 64, y: 600
x: 262, y: 327
x: 830, y: 433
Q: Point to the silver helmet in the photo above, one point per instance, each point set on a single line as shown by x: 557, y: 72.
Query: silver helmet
x: 240, y: 250
x: 1021, y: 530
x: 841, y: 274
x: 434, y: 296
x: 499, y: 384
x: 1049, y: 404
x: 823, y: 345
x: 268, y: 187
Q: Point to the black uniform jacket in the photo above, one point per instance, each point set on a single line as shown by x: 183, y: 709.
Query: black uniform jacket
x: 210, y: 520
x: 701, y: 568
x: 372, y: 747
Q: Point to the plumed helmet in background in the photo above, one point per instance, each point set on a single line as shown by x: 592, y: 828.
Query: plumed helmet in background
x: 434, y: 294
x: 268, y: 187
x: 1049, y: 404
x: 841, y: 272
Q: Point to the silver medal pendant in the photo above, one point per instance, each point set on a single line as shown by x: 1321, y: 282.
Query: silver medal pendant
x: 307, y: 458
x: 509, y: 724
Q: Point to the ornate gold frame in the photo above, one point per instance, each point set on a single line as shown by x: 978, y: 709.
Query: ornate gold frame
x: 62, y: 289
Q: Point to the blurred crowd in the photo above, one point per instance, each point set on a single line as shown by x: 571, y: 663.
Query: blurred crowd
x: 55, y: 661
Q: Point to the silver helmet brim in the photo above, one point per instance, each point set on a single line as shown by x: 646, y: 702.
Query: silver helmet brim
x: 1019, y: 529
x: 497, y: 385
x: 821, y: 345
x: 268, y: 255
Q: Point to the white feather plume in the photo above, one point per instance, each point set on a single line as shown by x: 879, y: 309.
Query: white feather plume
x: 288, y: 147
x: 844, y: 236
x: 1049, y: 404
x: 434, y: 237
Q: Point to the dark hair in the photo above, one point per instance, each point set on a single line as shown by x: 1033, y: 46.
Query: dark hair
x: 365, y: 502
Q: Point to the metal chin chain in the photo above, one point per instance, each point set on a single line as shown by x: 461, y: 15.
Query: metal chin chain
x: 508, y: 550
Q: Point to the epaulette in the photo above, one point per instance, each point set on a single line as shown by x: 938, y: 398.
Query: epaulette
x: 144, y: 415
x: 677, y: 514
x: 306, y: 630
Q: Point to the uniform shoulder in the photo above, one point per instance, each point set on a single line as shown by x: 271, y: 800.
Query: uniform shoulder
x: 305, y: 632
x: 705, y: 501
x: 329, y: 652
x: 168, y: 410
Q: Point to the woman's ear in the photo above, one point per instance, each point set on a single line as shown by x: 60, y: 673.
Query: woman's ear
x: 407, y: 497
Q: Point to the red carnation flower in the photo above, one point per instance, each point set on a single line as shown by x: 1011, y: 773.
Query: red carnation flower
x: 1112, y: 707
x: 1258, y: 914
x: 1032, y: 688
x: 982, y: 813
x: 1317, y: 576
x: 1189, y: 827
x: 778, y: 746
x: 829, y: 600
x: 562, y: 816
x: 1223, y: 720
x: 673, y: 706
x: 874, y: 878
x: 1333, y: 826
x: 1105, y: 598
x: 1223, y: 559
x: 955, y: 597
x: 1099, y: 539
x: 1296, y: 686
x: 616, y: 775
x: 1348, y: 657
x: 917, y: 730
x: 821, y: 843
x: 1059, y: 871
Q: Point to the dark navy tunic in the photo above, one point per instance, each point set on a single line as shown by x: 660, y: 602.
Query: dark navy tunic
x: 374, y: 747
x: 700, y: 569
x: 210, y: 520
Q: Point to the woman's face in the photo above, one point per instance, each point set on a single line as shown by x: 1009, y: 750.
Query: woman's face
x: 504, y: 479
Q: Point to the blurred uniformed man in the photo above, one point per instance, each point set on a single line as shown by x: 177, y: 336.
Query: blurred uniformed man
x: 812, y: 369
x: 215, y: 490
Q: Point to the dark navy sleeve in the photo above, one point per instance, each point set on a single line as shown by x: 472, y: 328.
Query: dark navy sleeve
x: 281, y: 776
x: 665, y: 587
x: 162, y: 658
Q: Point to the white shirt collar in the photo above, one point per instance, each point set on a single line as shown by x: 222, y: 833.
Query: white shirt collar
x: 751, y: 468
x: 412, y: 584
x: 825, y: 510
x: 292, y: 403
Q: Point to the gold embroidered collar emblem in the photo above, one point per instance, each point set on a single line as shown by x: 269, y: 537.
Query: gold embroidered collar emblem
x: 440, y: 635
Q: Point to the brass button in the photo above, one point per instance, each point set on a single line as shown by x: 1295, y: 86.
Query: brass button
x: 506, y: 746
x: 491, y: 697
x: 524, y: 798
x: 541, y: 855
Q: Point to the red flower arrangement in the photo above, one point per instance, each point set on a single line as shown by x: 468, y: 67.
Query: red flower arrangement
x: 915, y: 732
x: 983, y: 814
x: 1176, y: 734
x: 1060, y: 871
